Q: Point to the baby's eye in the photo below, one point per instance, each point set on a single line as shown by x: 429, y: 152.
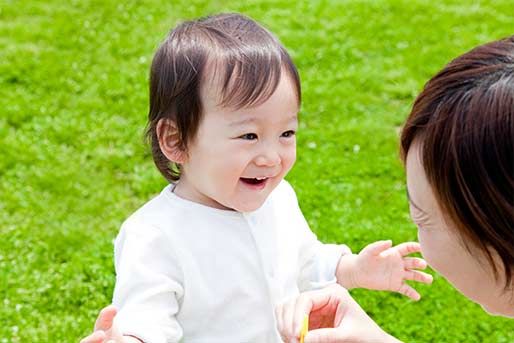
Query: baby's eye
x: 288, y: 134
x: 249, y: 136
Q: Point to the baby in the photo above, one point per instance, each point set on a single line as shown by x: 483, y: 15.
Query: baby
x: 210, y: 257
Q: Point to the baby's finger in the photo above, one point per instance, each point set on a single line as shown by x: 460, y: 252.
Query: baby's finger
x: 414, y: 263
x: 95, y: 337
x: 408, y: 248
x: 410, y: 292
x: 418, y: 276
x: 376, y: 248
x: 105, y: 318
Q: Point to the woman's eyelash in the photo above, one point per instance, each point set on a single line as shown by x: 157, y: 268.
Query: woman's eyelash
x: 420, y: 219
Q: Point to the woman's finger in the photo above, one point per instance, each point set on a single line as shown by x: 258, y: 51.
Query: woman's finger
x: 325, y: 335
x: 301, y: 306
x: 95, y: 337
x: 105, y: 318
x: 287, y: 320
x: 280, y: 323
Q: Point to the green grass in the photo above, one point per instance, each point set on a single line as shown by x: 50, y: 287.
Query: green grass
x: 73, y: 102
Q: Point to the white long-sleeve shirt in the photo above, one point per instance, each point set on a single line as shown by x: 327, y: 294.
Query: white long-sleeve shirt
x: 192, y: 273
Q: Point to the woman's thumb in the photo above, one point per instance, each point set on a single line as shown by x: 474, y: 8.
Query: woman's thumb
x: 105, y: 318
x: 325, y: 335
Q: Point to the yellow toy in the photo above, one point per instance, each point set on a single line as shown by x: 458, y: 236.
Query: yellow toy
x: 305, y: 328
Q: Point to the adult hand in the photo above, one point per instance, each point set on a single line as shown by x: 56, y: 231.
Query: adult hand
x: 106, y: 330
x: 333, y: 317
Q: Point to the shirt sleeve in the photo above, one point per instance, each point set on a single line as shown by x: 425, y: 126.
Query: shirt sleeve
x: 317, y: 261
x: 148, y: 284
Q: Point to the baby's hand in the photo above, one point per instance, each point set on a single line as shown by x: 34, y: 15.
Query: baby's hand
x: 106, y: 330
x: 380, y: 266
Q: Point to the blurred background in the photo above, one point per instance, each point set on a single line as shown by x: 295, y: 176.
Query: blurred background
x: 74, y: 165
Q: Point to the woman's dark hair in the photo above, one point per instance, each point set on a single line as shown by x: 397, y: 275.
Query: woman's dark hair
x: 243, y: 58
x: 464, y: 122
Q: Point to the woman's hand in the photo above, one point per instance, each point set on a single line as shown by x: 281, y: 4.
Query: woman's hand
x: 333, y: 317
x: 106, y: 330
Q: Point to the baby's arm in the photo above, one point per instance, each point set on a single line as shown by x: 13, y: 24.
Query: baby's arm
x: 380, y: 266
x: 148, y: 283
x: 106, y: 330
x: 316, y: 262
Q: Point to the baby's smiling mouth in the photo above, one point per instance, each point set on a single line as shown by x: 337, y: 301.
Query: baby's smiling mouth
x: 254, y: 181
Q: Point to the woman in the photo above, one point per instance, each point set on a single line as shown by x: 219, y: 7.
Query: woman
x: 458, y: 150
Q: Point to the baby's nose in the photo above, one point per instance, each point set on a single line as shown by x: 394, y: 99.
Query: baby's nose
x: 268, y: 158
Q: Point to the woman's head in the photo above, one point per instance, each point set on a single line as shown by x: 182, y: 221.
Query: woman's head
x: 458, y: 146
x: 228, y: 55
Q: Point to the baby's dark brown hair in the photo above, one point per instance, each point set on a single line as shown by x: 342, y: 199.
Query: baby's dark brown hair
x: 244, y: 59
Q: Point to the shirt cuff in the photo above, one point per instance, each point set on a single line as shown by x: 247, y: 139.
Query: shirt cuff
x: 148, y: 333
x: 328, y: 260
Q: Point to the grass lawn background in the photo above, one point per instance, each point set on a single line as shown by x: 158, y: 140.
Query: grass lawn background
x: 73, y: 166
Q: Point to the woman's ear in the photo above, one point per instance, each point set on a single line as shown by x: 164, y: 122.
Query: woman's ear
x: 169, y: 141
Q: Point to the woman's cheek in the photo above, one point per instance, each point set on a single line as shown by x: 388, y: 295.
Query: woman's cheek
x: 428, y: 250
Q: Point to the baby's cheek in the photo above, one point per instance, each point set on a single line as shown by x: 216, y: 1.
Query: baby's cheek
x: 290, y: 160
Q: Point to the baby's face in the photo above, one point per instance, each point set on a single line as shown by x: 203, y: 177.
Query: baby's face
x: 239, y: 156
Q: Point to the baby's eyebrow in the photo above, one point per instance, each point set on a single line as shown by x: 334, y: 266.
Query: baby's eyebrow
x: 243, y: 122
x: 412, y: 202
x: 293, y: 118
x: 252, y: 120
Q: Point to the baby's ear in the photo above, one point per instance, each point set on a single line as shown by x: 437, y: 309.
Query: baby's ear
x: 169, y: 141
